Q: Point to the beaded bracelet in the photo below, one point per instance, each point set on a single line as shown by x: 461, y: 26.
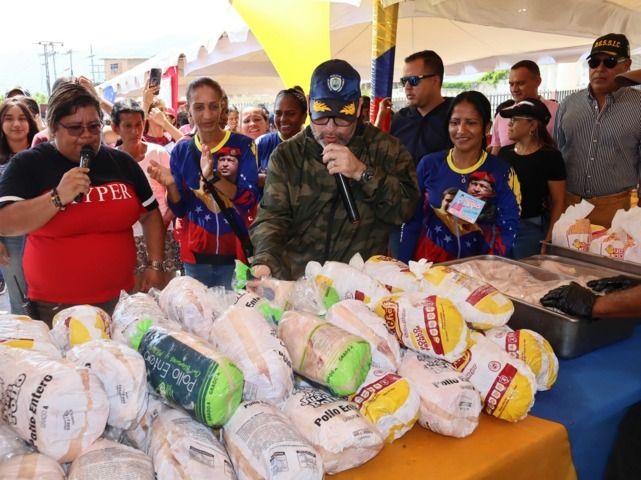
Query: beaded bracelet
x: 55, y: 199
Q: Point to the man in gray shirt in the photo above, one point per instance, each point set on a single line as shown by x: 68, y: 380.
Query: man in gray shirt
x: 598, y: 131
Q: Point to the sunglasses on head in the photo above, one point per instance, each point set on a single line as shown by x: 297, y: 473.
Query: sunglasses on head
x: 338, y: 121
x: 609, y: 62
x: 414, y: 80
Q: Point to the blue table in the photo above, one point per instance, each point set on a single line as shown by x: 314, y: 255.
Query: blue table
x: 591, y: 396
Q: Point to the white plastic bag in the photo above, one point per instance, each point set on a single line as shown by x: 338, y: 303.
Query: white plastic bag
x: 107, y: 460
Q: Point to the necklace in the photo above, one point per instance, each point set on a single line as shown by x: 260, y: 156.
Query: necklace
x: 465, y: 170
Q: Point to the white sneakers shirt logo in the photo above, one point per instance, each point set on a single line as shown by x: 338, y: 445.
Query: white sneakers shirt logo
x: 335, y: 83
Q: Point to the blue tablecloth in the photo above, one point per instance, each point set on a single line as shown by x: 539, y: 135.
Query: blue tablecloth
x: 590, y: 397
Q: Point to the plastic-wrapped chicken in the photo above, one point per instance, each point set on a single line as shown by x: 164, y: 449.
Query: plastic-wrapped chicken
x: 123, y: 375
x: 134, y: 315
x: 11, y: 444
x: 507, y: 385
x: 482, y: 305
x: 20, y: 331
x: 395, y: 275
x: 324, y: 352
x: 339, y: 281
x: 54, y: 405
x: 264, y: 445
x: 190, y: 303
x: 449, y: 404
x: 530, y: 347
x: 140, y: 435
x: 336, y: 429
x: 31, y: 466
x: 190, y: 373
x: 251, y: 343
x: 354, y: 317
x: 389, y: 401
x: 426, y: 324
x: 183, y: 449
x: 107, y: 460
x: 76, y: 325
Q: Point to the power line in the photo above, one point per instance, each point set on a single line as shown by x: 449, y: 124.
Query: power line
x: 70, y: 53
x: 49, y: 49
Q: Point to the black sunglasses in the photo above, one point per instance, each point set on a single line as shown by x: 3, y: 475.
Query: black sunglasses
x: 414, y: 80
x: 609, y: 62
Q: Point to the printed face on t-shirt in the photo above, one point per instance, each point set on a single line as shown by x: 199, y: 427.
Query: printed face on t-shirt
x: 228, y: 167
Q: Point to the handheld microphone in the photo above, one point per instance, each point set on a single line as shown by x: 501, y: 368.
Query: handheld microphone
x: 86, y: 156
x: 348, y: 198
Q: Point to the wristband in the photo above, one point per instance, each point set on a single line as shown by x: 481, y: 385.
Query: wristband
x: 55, y: 199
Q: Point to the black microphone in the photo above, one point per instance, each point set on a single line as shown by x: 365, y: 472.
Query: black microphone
x: 86, y: 156
x: 348, y: 198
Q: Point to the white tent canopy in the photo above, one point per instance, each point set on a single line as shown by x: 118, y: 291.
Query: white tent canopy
x: 470, y: 35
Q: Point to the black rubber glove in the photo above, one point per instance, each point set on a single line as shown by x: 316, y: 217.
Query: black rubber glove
x: 572, y: 299
x: 612, y: 284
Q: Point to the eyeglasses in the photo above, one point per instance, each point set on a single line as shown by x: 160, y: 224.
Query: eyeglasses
x: 608, y: 62
x: 516, y: 119
x: 77, y: 129
x: 338, y: 121
x: 414, y: 80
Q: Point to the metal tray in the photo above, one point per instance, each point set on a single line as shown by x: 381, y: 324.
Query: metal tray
x: 569, y: 336
x: 619, y: 265
x: 576, y: 268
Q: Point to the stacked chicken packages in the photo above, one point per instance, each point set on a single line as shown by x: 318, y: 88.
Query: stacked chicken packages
x: 278, y: 380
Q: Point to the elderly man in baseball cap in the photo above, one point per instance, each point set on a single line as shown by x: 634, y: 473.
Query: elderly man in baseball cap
x: 598, y: 131
x: 304, y: 213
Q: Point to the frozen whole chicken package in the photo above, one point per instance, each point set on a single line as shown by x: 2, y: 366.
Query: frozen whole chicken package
x: 482, y: 305
x: 123, y: 375
x: 134, y: 315
x: 426, y: 324
x: 449, y: 404
x: 263, y: 444
x: 389, y: 401
x: 56, y: 406
x: 530, y: 347
x: 107, y: 460
x: 191, y: 373
x: 325, y: 353
x: 139, y: 435
x: 354, y: 317
x: 340, y: 281
x: 507, y: 385
x: 183, y: 449
x: 336, y: 429
x: 190, y: 303
x: 79, y: 324
x: 252, y: 344
x: 20, y: 331
x: 395, y: 275
x: 31, y: 466
x: 11, y: 444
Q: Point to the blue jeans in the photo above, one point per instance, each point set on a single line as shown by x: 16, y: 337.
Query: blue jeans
x: 528, y: 241
x: 211, y: 275
x: 12, y: 273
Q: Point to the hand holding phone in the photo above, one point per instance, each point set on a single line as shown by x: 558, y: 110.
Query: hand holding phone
x: 154, y: 78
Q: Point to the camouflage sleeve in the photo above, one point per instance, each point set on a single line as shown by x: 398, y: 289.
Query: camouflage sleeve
x: 269, y: 232
x: 394, y: 190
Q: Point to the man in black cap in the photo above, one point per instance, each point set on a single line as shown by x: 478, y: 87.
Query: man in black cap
x: 303, y: 215
x: 598, y: 131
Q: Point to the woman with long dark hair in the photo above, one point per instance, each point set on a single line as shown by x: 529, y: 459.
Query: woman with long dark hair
x: 541, y: 172
x: 17, y: 129
x: 438, y: 231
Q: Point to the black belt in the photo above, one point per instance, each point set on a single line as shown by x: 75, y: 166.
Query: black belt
x: 212, y: 259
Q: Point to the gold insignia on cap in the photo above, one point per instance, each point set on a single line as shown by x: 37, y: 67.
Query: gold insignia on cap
x: 349, y: 109
x: 318, y: 106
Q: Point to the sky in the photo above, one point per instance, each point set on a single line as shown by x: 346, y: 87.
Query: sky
x: 114, y: 29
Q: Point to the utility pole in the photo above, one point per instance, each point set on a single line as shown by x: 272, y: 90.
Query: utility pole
x: 93, y: 68
x: 46, y: 45
x: 70, y: 53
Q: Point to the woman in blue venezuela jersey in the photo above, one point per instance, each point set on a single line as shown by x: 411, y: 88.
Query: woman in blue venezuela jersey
x: 208, y: 245
x: 434, y: 233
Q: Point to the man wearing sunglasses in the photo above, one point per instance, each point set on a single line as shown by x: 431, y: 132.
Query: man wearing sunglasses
x: 598, y: 131
x: 302, y: 215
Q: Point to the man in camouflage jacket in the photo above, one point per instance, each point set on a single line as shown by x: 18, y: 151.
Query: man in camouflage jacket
x: 302, y: 216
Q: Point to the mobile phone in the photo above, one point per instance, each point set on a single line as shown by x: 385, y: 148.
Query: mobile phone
x: 154, y: 77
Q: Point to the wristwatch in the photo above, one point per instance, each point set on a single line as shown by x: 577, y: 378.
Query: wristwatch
x: 367, y: 176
